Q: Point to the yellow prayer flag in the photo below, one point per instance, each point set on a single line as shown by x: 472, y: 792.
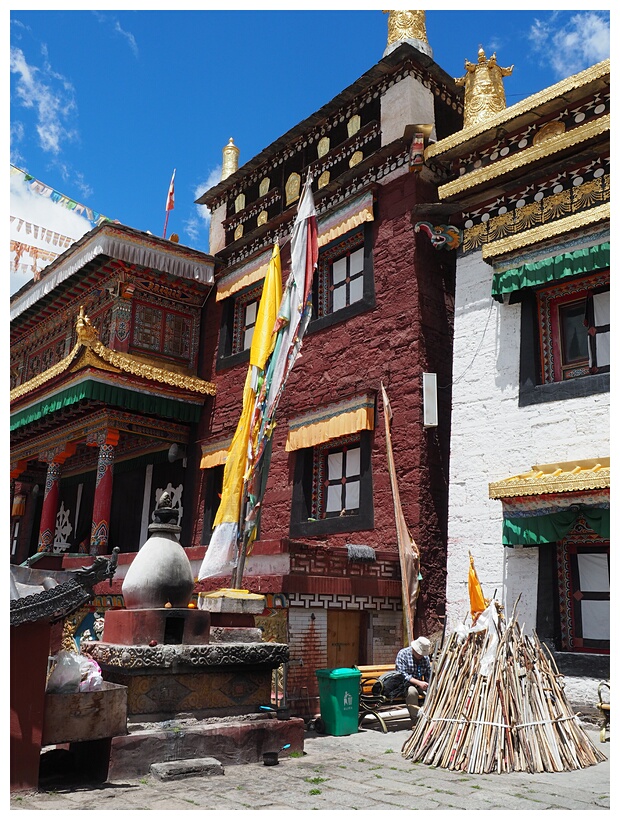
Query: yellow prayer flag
x: 234, y: 469
x: 263, y: 340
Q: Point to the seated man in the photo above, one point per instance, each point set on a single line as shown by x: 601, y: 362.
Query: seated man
x: 413, y: 663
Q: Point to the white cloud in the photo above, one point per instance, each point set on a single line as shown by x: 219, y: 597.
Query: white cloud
x: 50, y: 95
x: 573, y: 46
x: 129, y: 37
x: 106, y: 19
x: 34, y: 209
x: 199, y: 223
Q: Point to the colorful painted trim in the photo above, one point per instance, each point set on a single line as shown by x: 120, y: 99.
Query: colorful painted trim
x: 548, y: 299
x: 581, y: 536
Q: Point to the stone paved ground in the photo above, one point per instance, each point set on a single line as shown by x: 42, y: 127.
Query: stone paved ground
x: 365, y: 771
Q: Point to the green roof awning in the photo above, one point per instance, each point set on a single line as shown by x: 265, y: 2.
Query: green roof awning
x: 111, y: 395
x: 534, y: 274
x: 545, y: 529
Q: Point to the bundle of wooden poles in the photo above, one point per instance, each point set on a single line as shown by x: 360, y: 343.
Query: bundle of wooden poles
x: 496, y: 703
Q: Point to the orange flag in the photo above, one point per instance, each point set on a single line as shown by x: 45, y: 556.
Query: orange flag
x: 477, y: 602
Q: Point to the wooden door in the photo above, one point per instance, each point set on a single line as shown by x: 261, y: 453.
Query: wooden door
x: 344, y: 638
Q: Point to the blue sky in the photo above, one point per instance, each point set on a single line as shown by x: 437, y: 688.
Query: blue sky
x: 105, y: 104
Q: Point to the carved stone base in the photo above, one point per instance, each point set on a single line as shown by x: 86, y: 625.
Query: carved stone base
x: 211, y: 680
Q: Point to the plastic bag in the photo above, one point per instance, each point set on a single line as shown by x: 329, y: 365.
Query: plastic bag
x: 66, y: 674
x: 73, y: 673
x: 92, y: 680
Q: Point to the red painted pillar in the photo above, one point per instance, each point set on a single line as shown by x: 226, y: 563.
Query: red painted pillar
x: 100, y: 528
x: 50, y: 507
x: 29, y: 650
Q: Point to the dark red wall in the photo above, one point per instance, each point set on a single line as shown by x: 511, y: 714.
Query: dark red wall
x: 406, y: 334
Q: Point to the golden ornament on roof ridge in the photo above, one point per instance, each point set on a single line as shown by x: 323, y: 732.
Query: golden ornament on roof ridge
x: 484, y: 88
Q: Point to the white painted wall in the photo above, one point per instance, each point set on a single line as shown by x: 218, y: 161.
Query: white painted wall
x: 493, y: 438
x: 407, y: 102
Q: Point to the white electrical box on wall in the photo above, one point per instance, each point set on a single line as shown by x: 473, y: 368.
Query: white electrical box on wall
x: 429, y: 398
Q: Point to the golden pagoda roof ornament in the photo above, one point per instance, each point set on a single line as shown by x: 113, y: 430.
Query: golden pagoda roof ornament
x: 230, y: 159
x: 407, y: 27
x: 484, y: 89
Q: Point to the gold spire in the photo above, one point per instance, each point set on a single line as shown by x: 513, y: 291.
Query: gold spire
x: 406, y: 25
x: 484, y: 89
x: 230, y: 159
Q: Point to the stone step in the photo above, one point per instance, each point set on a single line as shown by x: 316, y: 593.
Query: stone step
x: 194, y: 767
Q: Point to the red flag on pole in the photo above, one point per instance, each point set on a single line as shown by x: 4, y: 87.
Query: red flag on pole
x: 169, y: 201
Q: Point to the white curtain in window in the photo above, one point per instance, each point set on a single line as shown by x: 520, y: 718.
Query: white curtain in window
x: 595, y: 620
x: 601, y: 303
x: 593, y: 572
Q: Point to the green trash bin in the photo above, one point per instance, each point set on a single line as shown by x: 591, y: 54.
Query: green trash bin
x: 339, y: 694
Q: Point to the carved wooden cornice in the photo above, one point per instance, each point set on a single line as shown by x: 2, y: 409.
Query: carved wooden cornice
x: 555, y: 478
x: 492, y: 250
x: 526, y: 157
x: 95, y: 353
x: 576, y: 81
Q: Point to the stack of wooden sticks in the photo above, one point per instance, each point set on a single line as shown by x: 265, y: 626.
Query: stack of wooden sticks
x: 496, y: 703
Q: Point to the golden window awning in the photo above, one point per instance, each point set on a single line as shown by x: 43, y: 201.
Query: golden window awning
x: 562, y: 477
x: 214, y: 453
x: 247, y: 274
x: 332, y: 421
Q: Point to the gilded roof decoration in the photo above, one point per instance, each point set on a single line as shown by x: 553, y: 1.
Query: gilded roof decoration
x: 406, y: 25
x: 526, y: 157
x: 575, y: 82
x: 530, y: 207
x: 88, y: 338
x: 484, y: 89
x: 563, y: 477
x: 541, y: 233
x: 230, y: 159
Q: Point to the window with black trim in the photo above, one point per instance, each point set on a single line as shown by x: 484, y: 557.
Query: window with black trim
x: 333, y: 487
x: 344, y: 281
x: 238, y: 322
x: 565, y: 339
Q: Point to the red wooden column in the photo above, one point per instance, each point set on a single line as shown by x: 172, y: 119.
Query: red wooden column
x: 55, y: 459
x: 100, y: 527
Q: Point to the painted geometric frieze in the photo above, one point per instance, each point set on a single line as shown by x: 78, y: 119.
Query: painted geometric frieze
x: 105, y: 461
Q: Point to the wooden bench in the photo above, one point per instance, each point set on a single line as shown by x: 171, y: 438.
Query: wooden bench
x: 376, y: 703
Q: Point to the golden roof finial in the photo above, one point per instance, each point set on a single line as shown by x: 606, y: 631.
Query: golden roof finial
x: 406, y: 25
x: 484, y: 88
x: 230, y: 159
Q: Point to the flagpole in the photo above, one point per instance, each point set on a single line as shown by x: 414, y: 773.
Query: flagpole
x: 169, y: 201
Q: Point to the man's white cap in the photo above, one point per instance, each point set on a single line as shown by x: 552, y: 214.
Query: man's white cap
x: 422, y: 646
